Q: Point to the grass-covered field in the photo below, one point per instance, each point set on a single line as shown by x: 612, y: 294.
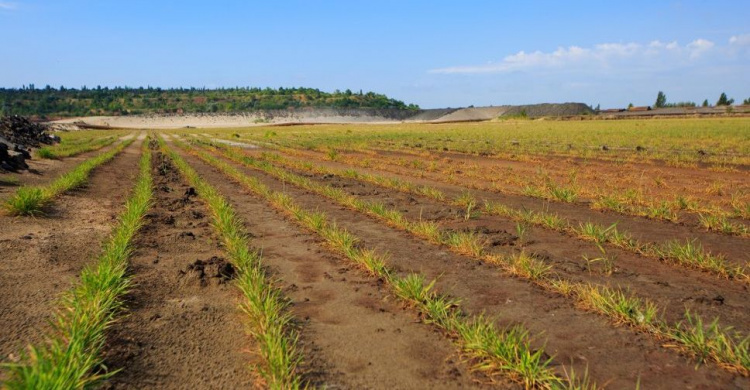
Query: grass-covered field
x: 723, y: 140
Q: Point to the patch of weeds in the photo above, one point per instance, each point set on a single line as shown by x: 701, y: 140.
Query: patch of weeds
x: 685, y: 203
x: 533, y: 191
x: 721, y: 224
x: 468, y: 243
x: 607, y: 261
x: 27, y: 201
x: 712, y: 343
x: 618, y: 305
x: 608, y: 202
x: 563, y: 194
x: 662, y: 210
x: 527, y: 266
x: 332, y: 154
x: 691, y: 254
x: 521, y: 230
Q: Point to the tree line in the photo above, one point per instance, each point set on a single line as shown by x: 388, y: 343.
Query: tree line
x: 661, y: 101
x: 51, y: 102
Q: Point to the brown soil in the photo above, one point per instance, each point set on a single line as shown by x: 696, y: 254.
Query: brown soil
x: 653, y: 184
x: 183, y: 328
x: 353, y: 334
x: 614, y: 355
x: 671, y: 287
x: 43, y: 171
x: 736, y: 249
x: 42, y: 257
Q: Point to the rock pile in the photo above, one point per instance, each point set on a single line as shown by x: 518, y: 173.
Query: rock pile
x: 17, y: 134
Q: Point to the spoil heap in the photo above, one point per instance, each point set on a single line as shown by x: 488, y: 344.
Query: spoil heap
x: 17, y: 134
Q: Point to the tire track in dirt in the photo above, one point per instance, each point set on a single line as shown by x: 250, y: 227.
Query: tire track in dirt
x: 736, y: 249
x: 614, y: 355
x: 353, y: 334
x: 672, y: 287
x: 183, y: 327
x: 40, y: 258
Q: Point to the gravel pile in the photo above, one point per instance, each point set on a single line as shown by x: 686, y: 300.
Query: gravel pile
x: 549, y: 110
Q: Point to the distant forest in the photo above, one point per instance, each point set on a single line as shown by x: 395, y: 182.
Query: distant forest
x: 52, y: 102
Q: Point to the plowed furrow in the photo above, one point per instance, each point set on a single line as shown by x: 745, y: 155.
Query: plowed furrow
x: 613, y: 355
x: 736, y: 249
x: 43, y: 256
x: 352, y: 331
x: 183, y: 328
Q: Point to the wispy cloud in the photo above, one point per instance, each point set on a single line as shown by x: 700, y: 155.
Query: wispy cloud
x: 607, y: 57
x: 7, y: 5
x: 740, y: 40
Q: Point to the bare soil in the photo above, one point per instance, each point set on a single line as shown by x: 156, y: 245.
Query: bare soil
x: 736, y: 249
x: 671, y: 287
x: 40, y: 258
x: 614, y: 355
x: 43, y: 171
x: 353, y: 333
x: 183, y: 327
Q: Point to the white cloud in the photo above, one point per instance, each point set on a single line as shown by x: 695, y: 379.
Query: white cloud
x: 699, y: 46
x: 604, y: 57
x: 8, y: 5
x: 740, y: 40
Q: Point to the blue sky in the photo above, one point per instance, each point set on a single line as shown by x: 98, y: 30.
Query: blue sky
x: 433, y: 53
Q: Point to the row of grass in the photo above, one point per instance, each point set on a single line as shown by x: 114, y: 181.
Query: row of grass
x: 32, y: 200
x: 663, y: 139
x: 269, y: 320
x: 72, y: 356
x: 73, y: 148
x: 554, y: 192
x: 688, y: 253
x: 627, y: 201
x: 495, y: 351
x: 619, y: 306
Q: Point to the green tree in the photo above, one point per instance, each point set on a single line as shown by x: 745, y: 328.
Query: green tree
x: 723, y: 101
x: 661, y: 100
x: 705, y: 103
x: 746, y: 101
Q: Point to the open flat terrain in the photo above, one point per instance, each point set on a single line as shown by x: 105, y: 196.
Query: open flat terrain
x: 508, y: 254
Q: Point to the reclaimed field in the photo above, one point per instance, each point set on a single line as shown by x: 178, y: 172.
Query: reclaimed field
x: 503, y: 254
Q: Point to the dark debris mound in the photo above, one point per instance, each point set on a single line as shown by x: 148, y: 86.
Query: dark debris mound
x: 17, y: 134
x: 22, y: 131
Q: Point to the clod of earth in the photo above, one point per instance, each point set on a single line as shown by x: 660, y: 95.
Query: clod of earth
x: 213, y: 268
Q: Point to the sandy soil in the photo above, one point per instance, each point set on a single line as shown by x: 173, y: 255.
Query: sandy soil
x: 351, y: 332
x: 614, y: 355
x: 43, y: 256
x: 183, y: 328
x: 321, y: 115
x: 649, y: 230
